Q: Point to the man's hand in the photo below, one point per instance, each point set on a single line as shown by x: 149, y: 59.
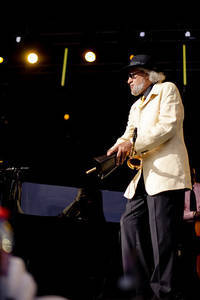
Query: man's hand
x: 123, y: 150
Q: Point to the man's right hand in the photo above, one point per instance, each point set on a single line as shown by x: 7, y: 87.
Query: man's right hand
x: 123, y: 150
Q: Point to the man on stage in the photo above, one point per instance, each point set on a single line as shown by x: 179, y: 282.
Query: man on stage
x: 155, y: 196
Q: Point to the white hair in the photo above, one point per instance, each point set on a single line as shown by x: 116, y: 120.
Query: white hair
x: 154, y: 76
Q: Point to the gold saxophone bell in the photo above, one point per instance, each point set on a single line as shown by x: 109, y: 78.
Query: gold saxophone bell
x: 134, y: 161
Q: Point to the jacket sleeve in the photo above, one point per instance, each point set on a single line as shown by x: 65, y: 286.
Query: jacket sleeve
x: 170, y: 115
x: 128, y: 133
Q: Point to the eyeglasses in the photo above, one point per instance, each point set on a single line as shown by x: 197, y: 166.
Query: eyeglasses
x: 133, y: 75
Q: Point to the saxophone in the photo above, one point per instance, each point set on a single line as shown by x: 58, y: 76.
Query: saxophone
x: 134, y: 161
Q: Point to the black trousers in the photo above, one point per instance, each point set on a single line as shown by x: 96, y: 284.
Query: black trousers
x: 149, y: 236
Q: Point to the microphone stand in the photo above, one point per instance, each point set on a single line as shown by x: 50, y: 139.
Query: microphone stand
x: 11, y: 188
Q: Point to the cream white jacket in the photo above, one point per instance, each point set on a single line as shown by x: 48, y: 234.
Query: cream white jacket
x: 160, y: 141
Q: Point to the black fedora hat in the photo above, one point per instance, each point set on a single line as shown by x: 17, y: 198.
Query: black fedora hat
x: 141, y: 61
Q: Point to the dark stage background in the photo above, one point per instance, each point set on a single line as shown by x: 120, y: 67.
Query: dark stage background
x: 57, y: 152
x: 96, y: 96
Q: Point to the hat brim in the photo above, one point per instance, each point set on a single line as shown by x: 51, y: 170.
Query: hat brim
x: 129, y: 67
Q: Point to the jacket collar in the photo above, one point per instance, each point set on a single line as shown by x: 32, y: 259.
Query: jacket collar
x: 152, y: 94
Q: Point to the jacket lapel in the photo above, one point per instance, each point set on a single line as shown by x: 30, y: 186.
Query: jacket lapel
x: 149, y: 98
x: 153, y: 93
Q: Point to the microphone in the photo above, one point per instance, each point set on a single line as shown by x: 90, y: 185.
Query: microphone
x: 14, y: 169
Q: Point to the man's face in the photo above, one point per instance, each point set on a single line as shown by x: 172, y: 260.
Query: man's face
x: 138, y: 81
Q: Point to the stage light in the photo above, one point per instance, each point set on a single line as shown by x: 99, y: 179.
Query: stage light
x: 90, y: 56
x: 142, y: 34
x: 64, y: 67
x: 131, y: 56
x: 66, y: 117
x: 32, y: 58
x: 18, y: 39
x: 1, y: 59
x: 184, y: 66
x: 187, y: 34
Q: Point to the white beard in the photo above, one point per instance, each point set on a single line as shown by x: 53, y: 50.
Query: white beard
x: 138, y: 89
